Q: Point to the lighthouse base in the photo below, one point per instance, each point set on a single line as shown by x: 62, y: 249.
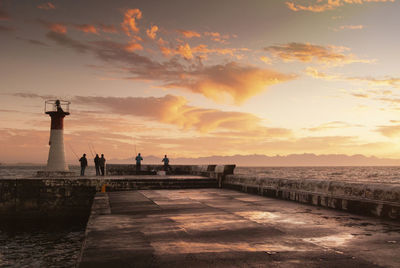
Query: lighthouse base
x: 56, y: 160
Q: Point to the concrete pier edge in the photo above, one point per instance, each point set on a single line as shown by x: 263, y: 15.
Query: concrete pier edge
x: 100, y: 206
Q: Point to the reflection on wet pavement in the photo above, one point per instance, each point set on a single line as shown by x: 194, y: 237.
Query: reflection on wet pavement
x: 215, y: 227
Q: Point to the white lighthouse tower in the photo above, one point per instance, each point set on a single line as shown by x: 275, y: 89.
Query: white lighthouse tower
x: 57, y: 109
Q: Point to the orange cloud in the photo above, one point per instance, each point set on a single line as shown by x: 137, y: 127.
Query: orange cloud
x: 152, y: 32
x: 86, y: 28
x: 132, y: 46
x: 307, y: 52
x: 232, y: 80
x: 331, y: 125
x: 350, y: 27
x: 217, y: 37
x: 167, y: 51
x: 185, y: 51
x: 229, y: 82
x: 175, y: 110
x: 46, y: 6
x: 265, y: 59
x: 108, y: 28
x: 17, y: 144
x: 389, y: 131
x: 21, y: 145
x: 130, y: 19
x: 360, y: 95
x: 161, y: 42
x: 324, y: 5
x: 388, y: 81
x: 189, y: 34
x: 58, y: 28
x: 54, y: 27
x: 222, y: 51
x: 320, y: 75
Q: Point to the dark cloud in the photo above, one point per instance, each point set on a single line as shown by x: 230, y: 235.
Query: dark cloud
x: 34, y: 42
x: 64, y: 40
x: 108, y: 28
x: 37, y: 42
x: 4, y: 14
x: 32, y: 95
x: 6, y: 29
x: 46, y: 6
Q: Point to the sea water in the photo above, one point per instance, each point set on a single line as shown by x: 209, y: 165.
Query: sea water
x: 42, y: 246
x: 31, y: 244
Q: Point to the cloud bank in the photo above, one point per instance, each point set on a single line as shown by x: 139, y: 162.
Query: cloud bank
x: 324, y: 5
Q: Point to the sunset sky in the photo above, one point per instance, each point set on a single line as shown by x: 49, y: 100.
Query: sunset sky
x: 199, y: 78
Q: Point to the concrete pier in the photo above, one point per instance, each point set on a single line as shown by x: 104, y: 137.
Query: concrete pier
x: 225, y: 228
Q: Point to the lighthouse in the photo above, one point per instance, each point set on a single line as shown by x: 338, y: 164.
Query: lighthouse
x: 57, y: 110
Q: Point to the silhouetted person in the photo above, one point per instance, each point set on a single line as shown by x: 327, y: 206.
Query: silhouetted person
x: 166, y: 162
x: 138, y: 162
x: 58, y: 106
x: 102, y: 164
x: 97, y: 164
x: 84, y: 164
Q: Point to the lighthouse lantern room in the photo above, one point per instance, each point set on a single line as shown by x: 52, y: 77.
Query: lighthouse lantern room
x: 57, y: 110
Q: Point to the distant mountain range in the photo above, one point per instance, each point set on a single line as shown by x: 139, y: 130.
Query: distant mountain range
x: 264, y: 160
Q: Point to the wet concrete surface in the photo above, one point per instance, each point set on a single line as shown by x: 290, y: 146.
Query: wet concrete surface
x: 225, y: 228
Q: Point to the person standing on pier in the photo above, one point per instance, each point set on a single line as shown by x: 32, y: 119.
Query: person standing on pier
x: 138, y: 162
x: 102, y: 163
x: 97, y: 164
x: 84, y: 164
x: 166, y: 163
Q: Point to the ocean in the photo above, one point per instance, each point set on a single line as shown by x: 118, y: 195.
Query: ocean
x: 59, y: 246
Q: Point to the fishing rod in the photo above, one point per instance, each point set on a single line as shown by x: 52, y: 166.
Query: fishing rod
x: 134, y: 144
x: 70, y: 147
x: 94, y: 150
x: 90, y: 151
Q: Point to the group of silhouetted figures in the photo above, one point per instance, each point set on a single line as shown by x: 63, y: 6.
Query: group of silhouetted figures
x: 139, y: 160
x: 100, y: 162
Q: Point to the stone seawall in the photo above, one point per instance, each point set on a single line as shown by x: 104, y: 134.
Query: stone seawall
x: 60, y: 197
x: 373, y: 199
x: 124, y: 169
x: 45, y: 198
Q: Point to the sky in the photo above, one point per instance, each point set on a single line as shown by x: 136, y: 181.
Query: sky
x: 201, y: 78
